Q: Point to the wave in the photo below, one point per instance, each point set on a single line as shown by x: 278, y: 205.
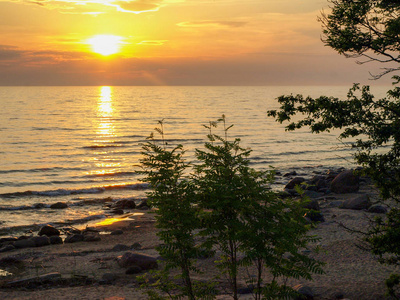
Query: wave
x: 94, y: 147
x: 111, y: 174
x: 91, y: 190
x: 40, y: 170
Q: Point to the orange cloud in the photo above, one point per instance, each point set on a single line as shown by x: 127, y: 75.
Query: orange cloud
x: 208, y: 23
x: 98, y: 6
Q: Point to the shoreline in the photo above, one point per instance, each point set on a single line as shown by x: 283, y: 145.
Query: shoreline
x: 350, y: 272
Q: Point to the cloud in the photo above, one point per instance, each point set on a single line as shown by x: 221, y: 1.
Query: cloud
x: 9, y: 52
x: 208, y: 23
x: 153, y: 42
x: 98, y: 6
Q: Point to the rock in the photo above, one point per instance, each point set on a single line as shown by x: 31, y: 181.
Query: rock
x: 314, y: 216
x: 49, y: 230
x: 109, y: 277
x: 143, y: 205
x: 377, y: 209
x: 39, y: 205
x: 337, y: 203
x: 45, y: 277
x: 345, y: 182
x: 117, y: 232
x: 245, y: 290
x: 117, y: 212
x: 7, y: 248
x: 25, y: 243
x: 120, y: 247
x: 295, y: 181
x: 54, y: 240
x: 133, y: 270
x: 313, y: 204
x: 312, y: 194
x: 10, y: 239
x: 74, y: 238
x: 10, y: 261
x: 91, y: 238
x: 136, y: 246
x: 130, y: 259
x: 305, y: 292
x: 59, y: 205
x: 125, y: 204
x: 357, y: 203
x: 293, y: 173
x: 41, y: 240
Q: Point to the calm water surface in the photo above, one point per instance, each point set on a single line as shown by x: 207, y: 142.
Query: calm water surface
x: 79, y: 144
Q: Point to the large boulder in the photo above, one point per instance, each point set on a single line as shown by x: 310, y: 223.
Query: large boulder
x: 49, y: 231
x: 357, y: 203
x: 41, y: 240
x: 345, y: 182
x: 24, y: 243
x: 130, y: 259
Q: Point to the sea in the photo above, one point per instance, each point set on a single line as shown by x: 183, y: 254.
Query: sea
x: 82, y: 145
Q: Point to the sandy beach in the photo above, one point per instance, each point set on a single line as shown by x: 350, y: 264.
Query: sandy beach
x: 350, y: 272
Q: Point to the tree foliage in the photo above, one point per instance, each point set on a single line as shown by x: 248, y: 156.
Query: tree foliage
x: 367, y: 29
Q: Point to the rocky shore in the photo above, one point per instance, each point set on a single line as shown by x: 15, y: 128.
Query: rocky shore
x: 102, y: 261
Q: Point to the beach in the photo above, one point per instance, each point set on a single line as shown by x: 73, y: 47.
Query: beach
x: 90, y: 269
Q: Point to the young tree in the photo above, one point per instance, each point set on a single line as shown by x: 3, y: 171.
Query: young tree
x: 368, y: 29
x: 172, y: 194
x: 246, y: 221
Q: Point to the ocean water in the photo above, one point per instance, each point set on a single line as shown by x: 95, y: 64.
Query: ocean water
x: 81, y: 145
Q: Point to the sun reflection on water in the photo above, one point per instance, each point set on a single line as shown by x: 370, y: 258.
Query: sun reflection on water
x: 105, y: 112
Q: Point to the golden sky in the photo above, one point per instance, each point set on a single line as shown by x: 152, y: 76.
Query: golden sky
x: 168, y: 42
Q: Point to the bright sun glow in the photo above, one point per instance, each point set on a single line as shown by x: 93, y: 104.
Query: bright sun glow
x: 105, y: 44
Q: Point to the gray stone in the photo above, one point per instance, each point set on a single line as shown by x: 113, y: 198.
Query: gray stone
x: 41, y: 241
x: 117, y: 232
x: 133, y: 270
x: 91, y: 238
x: 7, y: 248
x: 48, y: 230
x: 10, y: 261
x: 109, y: 277
x: 305, y: 292
x: 59, y: 205
x: 45, y: 277
x: 377, y: 209
x: 345, y: 182
x: 125, y: 204
x: 357, y: 203
x: 312, y: 194
x: 130, y: 259
x: 74, y: 238
x: 25, y: 243
x: 121, y: 247
x: 55, y: 240
x: 295, y: 181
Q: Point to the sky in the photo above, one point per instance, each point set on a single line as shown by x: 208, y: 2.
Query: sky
x: 170, y: 42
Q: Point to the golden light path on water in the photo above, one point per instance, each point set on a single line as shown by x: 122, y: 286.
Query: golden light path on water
x: 110, y: 221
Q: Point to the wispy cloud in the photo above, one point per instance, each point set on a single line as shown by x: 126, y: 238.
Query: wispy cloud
x: 153, y: 42
x: 99, y: 6
x: 209, y: 23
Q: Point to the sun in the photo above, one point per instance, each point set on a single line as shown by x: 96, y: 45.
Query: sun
x: 105, y: 44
